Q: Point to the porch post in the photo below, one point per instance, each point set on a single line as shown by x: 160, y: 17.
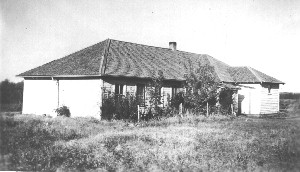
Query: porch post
x: 235, y: 102
x: 138, y: 107
x: 101, y: 98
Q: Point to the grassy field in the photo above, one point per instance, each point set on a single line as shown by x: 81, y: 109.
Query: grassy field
x: 191, y: 143
x: 292, y: 106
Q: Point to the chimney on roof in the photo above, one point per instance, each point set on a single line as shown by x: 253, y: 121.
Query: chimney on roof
x: 172, y: 45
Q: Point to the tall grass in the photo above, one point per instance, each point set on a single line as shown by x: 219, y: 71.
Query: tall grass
x: 191, y: 143
x: 290, y: 106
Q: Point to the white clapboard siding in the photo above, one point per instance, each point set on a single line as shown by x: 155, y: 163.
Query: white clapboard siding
x: 269, y: 101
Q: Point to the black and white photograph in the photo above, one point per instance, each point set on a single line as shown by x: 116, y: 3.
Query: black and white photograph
x: 140, y: 85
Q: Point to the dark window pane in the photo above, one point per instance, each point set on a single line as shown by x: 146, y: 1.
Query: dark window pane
x: 117, y: 86
x: 121, y: 89
x: 140, y: 94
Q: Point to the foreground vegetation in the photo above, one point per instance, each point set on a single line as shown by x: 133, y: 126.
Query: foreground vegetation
x: 11, y: 96
x: 191, y: 143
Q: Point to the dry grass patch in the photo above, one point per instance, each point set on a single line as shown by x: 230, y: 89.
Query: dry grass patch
x: 191, y: 143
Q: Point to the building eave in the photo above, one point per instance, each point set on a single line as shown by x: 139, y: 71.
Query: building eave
x: 255, y: 82
x: 136, y: 77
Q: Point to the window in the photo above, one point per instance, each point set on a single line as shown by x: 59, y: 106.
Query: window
x: 119, y: 90
x: 174, y: 92
x: 166, y: 97
x: 140, y: 94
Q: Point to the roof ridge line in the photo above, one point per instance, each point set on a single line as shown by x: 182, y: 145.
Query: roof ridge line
x: 214, y: 67
x: 217, y: 60
x: 141, y: 44
x: 159, y: 47
x: 238, y: 66
x: 104, y: 60
x: 254, y: 73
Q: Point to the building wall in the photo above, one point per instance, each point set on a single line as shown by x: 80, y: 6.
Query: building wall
x: 250, y: 98
x: 40, y: 97
x: 269, y: 100
x: 83, y: 97
x: 258, y: 99
x: 130, y: 87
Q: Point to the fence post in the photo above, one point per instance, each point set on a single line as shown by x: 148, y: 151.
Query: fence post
x: 206, y: 108
x: 180, y: 110
x: 138, y: 113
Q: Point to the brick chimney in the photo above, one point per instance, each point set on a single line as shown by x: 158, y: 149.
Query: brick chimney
x: 172, y: 45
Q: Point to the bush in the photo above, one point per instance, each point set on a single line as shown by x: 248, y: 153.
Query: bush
x: 108, y: 108
x: 124, y: 108
x: 177, y: 100
x: 63, y: 111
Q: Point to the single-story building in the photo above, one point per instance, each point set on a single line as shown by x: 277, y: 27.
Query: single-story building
x: 83, y: 79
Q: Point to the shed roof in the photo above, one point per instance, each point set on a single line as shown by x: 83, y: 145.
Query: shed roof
x: 126, y: 59
x: 247, y: 74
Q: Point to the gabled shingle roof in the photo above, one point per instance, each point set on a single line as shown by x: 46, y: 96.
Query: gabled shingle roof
x: 119, y: 58
x: 247, y: 75
x: 83, y: 62
x: 136, y: 60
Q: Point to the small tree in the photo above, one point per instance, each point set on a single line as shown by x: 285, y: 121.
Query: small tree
x: 201, y: 88
x: 155, y: 92
x: 63, y: 111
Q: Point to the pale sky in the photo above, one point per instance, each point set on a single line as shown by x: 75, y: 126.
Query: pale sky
x: 263, y: 34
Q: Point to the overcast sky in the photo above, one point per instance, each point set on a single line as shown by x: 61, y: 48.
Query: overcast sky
x: 263, y: 34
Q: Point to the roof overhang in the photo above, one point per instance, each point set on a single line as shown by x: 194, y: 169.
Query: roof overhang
x: 136, y: 77
x: 228, y: 85
x: 118, y: 76
x: 255, y: 82
x: 89, y: 77
x: 61, y: 77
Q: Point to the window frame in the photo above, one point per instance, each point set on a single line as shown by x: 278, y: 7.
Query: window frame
x: 141, y: 99
x: 119, y: 90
